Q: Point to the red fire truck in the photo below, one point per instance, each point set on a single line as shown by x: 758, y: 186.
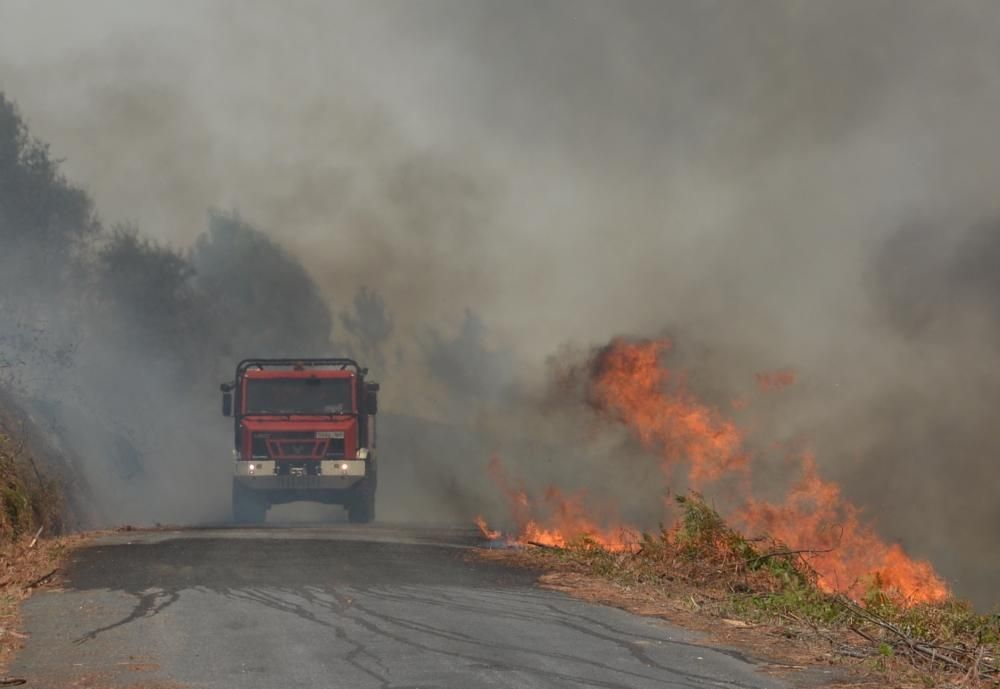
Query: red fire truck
x: 304, y: 429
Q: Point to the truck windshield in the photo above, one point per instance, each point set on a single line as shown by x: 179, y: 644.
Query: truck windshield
x: 298, y: 396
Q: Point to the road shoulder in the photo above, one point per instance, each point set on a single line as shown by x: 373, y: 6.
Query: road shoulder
x: 27, y: 565
x: 793, y: 654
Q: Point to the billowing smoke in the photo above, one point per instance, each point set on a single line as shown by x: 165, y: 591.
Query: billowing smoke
x: 735, y: 176
x: 112, y: 338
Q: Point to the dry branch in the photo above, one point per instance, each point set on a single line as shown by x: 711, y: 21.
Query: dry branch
x: 970, y: 662
x: 544, y: 545
x: 41, y: 580
x: 781, y: 553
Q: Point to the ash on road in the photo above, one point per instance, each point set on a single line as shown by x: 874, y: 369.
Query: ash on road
x: 339, y: 606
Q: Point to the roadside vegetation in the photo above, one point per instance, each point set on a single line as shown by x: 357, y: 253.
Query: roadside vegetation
x: 32, y: 518
x: 704, y: 568
x: 29, y: 500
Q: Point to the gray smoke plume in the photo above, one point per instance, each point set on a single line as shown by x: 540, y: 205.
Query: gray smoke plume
x: 568, y: 171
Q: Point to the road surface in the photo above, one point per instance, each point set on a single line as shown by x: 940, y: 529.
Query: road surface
x: 339, y: 606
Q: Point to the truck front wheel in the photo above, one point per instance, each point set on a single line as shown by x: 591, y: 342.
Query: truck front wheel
x: 249, y: 506
x: 361, y: 507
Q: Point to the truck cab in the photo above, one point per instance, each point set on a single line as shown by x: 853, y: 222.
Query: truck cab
x: 303, y: 429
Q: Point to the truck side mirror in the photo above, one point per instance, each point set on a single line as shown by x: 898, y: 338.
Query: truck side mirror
x: 371, y: 402
x: 227, y: 404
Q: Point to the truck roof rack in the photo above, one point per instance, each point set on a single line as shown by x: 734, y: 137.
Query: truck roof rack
x: 242, y: 367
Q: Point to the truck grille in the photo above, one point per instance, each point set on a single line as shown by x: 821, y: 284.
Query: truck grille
x: 295, y: 445
x: 297, y: 469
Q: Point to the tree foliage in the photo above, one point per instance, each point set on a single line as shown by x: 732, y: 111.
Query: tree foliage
x: 261, y: 300
x: 45, y: 221
x: 69, y: 285
x: 370, y: 324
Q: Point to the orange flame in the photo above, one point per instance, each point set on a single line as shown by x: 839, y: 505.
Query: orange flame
x: 567, y: 518
x: 775, y: 380
x: 485, y: 530
x: 846, y: 553
x: 665, y: 417
x: 630, y: 385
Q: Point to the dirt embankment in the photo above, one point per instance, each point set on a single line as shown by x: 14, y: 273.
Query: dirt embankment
x: 33, y: 518
x: 30, y: 498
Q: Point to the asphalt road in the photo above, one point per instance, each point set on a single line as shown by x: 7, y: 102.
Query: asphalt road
x: 339, y: 606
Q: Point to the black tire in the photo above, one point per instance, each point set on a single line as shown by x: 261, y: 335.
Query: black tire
x: 249, y: 506
x: 361, y: 508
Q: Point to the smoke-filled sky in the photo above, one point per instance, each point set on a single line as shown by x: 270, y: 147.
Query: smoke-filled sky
x: 780, y: 183
x: 571, y: 170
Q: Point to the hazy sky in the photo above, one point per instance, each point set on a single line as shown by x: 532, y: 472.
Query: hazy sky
x: 569, y: 170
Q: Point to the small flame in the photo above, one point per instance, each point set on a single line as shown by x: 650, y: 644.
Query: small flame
x: 484, y: 529
x: 775, y: 380
x: 567, y: 518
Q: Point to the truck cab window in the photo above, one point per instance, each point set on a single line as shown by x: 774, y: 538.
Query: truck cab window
x: 298, y: 396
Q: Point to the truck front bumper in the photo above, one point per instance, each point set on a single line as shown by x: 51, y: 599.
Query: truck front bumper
x: 333, y: 475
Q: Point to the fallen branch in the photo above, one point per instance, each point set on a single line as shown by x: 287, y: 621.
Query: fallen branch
x: 865, y: 635
x: 783, y: 553
x: 35, y: 539
x: 851, y: 652
x: 930, y: 652
x: 544, y: 545
x: 974, y: 672
x: 41, y: 580
x: 810, y: 623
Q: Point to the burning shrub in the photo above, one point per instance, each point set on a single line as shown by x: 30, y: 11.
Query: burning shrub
x: 822, y: 537
x: 704, y: 563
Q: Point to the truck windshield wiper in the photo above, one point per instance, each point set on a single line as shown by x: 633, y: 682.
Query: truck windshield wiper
x: 275, y: 412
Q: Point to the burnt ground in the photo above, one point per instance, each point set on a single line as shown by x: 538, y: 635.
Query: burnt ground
x: 340, y: 606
